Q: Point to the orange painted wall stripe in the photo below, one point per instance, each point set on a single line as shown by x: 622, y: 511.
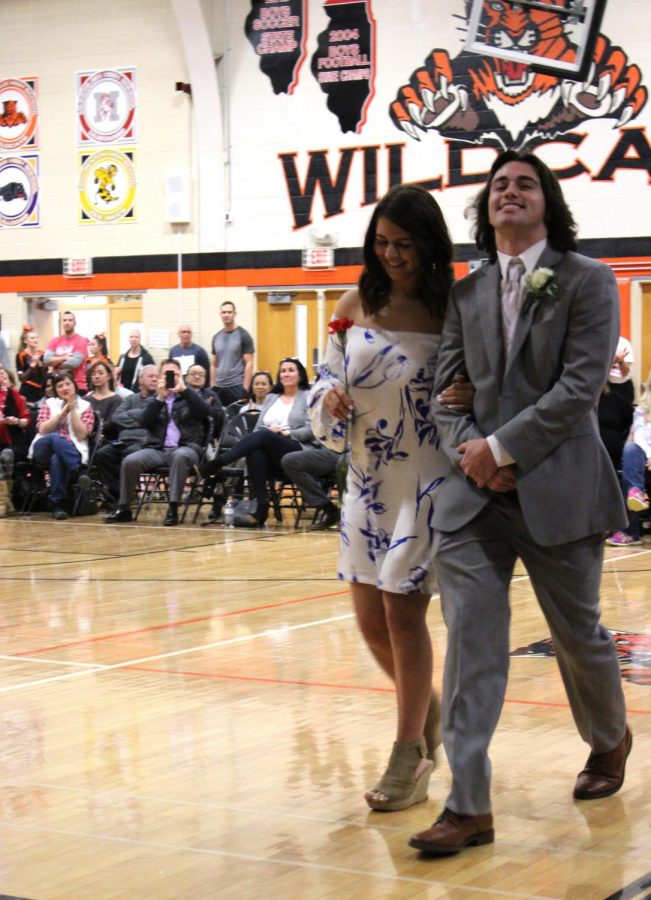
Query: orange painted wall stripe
x: 625, y: 269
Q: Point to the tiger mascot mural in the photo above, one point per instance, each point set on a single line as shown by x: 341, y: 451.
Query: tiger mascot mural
x: 481, y: 99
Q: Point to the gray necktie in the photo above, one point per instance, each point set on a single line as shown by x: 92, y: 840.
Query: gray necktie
x: 511, y: 299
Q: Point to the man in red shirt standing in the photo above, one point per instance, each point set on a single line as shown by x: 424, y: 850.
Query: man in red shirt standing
x: 68, y: 352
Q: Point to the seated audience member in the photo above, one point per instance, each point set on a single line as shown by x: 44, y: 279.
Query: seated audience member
x: 131, y: 363
x: 14, y: 424
x: 195, y: 379
x: 48, y: 389
x: 97, y: 351
x: 175, y: 422
x: 102, y: 397
x: 63, y: 427
x: 131, y: 435
x: 307, y: 469
x: 615, y: 414
x: 283, y: 427
x: 261, y: 384
x: 30, y: 368
x: 636, y: 465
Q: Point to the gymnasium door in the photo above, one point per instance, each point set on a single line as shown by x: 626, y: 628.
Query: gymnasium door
x: 296, y: 326
x: 645, y: 356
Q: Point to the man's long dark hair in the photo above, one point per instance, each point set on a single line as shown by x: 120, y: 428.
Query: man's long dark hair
x: 413, y: 209
x: 559, y: 221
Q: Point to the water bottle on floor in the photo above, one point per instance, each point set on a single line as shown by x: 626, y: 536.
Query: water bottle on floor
x: 229, y: 513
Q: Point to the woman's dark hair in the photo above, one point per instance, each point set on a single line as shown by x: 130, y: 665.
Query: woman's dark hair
x: 266, y: 374
x: 109, y: 369
x: 58, y: 377
x: 100, y: 340
x: 413, y: 209
x: 559, y: 221
x: 303, y: 380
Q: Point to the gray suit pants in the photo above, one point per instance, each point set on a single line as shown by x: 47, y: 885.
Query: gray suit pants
x: 306, y: 468
x: 179, y: 459
x: 474, y: 566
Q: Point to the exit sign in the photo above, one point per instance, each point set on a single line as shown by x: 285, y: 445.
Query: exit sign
x: 77, y: 266
x: 318, y: 258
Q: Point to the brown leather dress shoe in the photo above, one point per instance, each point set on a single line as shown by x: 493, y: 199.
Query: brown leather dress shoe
x: 604, y: 772
x: 452, y: 832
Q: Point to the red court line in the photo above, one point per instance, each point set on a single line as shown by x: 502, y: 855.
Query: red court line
x: 151, y: 628
x: 260, y: 679
x: 326, y: 684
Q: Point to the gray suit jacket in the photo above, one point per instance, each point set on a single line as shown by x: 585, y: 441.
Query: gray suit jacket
x: 540, y: 403
x: 300, y: 427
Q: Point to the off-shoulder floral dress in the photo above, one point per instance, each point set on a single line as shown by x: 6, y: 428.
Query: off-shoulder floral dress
x: 396, y: 466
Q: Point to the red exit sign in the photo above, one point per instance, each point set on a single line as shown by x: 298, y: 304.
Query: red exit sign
x: 77, y: 267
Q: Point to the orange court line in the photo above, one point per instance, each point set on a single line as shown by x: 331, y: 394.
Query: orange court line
x: 151, y: 628
x: 325, y: 684
x: 259, y: 678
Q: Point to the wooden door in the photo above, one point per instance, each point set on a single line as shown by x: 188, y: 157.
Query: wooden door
x: 123, y: 317
x: 297, y: 328
x: 286, y: 329
x: 645, y: 355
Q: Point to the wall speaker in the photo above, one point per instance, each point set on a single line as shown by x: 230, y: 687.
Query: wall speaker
x: 178, y: 197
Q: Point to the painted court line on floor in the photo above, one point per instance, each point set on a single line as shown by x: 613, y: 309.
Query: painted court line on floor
x: 50, y: 662
x: 181, y: 622
x: 274, y: 861
x: 100, y: 669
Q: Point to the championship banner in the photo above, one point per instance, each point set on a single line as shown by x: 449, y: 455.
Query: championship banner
x: 19, y: 191
x: 18, y: 113
x: 106, y: 106
x: 277, y: 32
x: 107, y: 186
x: 344, y: 63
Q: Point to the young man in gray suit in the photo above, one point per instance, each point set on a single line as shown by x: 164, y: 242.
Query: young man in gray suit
x: 535, y: 331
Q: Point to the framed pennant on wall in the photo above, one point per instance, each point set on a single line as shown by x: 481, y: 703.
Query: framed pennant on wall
x: 18, y: 113
x: 19, y: 191
x: 106, y: 106
x: 107, y: 186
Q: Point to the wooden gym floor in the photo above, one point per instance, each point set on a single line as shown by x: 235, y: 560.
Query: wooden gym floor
x: 190, y: 713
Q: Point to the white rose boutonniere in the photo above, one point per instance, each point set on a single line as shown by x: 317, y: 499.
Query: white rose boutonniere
x: 539, y: 285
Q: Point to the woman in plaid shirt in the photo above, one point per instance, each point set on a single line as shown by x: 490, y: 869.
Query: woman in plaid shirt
x: 64, y: 424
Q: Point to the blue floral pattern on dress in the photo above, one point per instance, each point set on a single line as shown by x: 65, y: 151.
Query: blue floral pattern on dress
x: 396, y: 465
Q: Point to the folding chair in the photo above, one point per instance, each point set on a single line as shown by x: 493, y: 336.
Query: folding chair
x: 233, y: 478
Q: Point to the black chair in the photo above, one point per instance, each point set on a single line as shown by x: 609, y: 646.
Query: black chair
x: 232, y: 480
x: 234, y: 409
x: 88, y: 490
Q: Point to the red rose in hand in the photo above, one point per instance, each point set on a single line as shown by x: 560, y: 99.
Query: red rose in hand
x: 336, y: 326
